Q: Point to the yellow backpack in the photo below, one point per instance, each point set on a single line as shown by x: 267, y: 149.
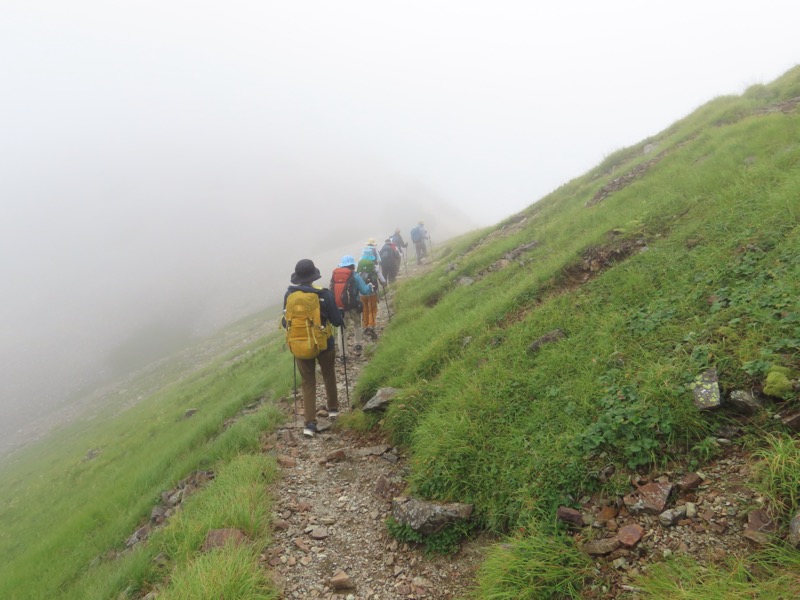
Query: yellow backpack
x: 306, y: 336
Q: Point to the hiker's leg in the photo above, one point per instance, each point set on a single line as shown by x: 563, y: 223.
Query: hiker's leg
x: 308, y: 373
x: 327, y: 360
x: 365, y: 311
x: 371, y: 310
x: 356, y: 320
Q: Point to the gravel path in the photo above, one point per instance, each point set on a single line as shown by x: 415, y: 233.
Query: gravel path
x: 331, y: 507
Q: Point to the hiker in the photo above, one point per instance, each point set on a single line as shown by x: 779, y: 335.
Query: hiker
x: 370, y: 273
x: 347, y: 286
x: 310, y: 313
x: 390, y: 260
x: 397, y: 240
x: 419, y: 235
x: 370, y: 251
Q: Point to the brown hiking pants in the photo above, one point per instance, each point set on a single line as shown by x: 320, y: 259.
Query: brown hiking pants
x: 370, y: 310
x: 308, y: 373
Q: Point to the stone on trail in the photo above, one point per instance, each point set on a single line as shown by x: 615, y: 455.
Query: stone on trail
x: 380, y: 401
x: 630, y: 535
x: 602, y: 546
x: 341, y: 581
x: 428, y: 517
x: 650, y: 498
x: 570, y: 515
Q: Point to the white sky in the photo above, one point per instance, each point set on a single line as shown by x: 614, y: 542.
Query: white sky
x: 151, y: 151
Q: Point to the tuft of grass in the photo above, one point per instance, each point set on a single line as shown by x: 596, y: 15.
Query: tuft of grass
x: 769, y: 576
x: 536, y: 566
x: 778, y: 472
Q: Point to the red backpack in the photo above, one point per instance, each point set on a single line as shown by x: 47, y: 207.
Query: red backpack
x: 343, y: 286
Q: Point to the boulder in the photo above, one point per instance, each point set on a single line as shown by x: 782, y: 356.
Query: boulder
x: 744, y: 402
x: 706, y: 390
x: 428, y: 517
x: 650, y: 498
x: 341, y: 581
x: 570, y: 515
x: 380, y: 401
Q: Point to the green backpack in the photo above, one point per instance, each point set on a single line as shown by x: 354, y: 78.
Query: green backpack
x: 368, y: 272
x: 306, y: 336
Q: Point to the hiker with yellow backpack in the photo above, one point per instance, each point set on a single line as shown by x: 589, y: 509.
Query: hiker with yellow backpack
x: 309, y: 315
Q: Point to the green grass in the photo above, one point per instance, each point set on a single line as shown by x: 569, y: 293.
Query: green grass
x: 699, y: 268
x: 695, y: 264
x: 62, y: 514
x: 769, y: 575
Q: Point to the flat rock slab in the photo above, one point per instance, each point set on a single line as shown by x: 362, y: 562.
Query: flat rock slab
x: 650, y: 498
x: 601, y: 547
x: 428, y: 517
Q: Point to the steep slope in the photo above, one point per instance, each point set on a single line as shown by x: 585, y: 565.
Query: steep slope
x: 555, y: 357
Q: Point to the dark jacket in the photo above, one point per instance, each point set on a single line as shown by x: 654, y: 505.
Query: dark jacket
x: 328, y: 310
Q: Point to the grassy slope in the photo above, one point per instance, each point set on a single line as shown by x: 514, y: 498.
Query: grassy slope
x: 713, y: 281
x: 486, y: 421
x: 60, y: 512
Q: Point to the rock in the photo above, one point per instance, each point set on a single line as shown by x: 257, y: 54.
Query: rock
x: 217, y: 538
x: 373, y: 451
x: 669, y: 517
x: 744, y: 402
x: 570, y: 515
x: 336, y: 456
x: 465, y: 281
x: 190, y: 412
x: 301, y: 545
x: 381, y: 485
x: 548, y: 338
x: 602, y: 546
x: 652, y: 147
x: 759, y: 527
x: 319, y: 533
x: 691, y: 510
x: 286, y: 462
x: 690, y: 481
x: 340, y: 581
x: 158, y: 514
x: 380, y: 401
x: 650, y: 498
x: 706, y: 390
x: 428, y: 517
x: 630, y: 535
x: 792, y: 421
x: 794, y: 531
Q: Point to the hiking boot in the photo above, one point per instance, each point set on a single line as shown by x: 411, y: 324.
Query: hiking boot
x: 310, y: 430
x: 333, y: 413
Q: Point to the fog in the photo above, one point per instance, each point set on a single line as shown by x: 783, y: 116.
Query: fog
x: 163, y: 165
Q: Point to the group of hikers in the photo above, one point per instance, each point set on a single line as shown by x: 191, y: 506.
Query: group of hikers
x: 310, y: 313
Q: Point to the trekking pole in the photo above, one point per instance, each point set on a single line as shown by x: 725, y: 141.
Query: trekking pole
x: 344, y: 362
x: 295, y: 391
x: 386, y: 299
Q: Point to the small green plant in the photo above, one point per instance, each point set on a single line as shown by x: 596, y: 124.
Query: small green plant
x: 778, y: 472
x: 627, y: 427
x: 704, y: 451
x: 445, y: 541
x: 534, y: 566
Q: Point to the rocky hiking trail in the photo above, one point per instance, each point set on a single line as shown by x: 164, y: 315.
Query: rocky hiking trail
x: 336, y: 492
x: 332, y: 502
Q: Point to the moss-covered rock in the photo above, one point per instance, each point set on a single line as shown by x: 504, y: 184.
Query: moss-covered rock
x: 778, y: 384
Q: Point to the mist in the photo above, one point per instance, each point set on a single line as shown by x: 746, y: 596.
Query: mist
x: 163, y: 165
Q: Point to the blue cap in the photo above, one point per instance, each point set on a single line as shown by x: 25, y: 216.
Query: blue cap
x: 347, y: 261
